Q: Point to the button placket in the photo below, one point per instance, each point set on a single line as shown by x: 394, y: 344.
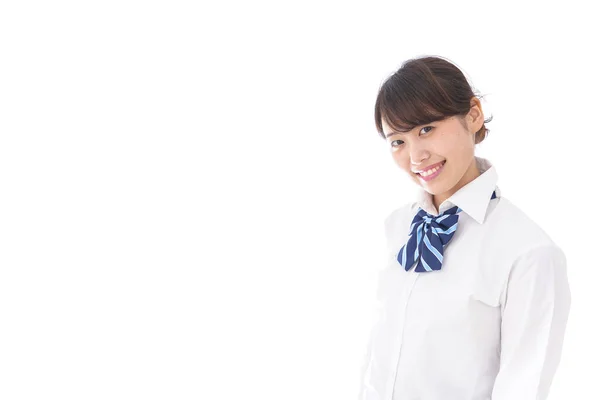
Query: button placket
x: 396, y: 351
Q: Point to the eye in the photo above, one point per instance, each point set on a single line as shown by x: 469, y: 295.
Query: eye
x: 428, y: 129
x: 425, y: 127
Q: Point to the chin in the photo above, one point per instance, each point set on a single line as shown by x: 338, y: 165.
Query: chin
x: 434, y: 188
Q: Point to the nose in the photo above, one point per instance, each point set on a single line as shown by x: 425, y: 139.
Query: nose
x: 418, y: 154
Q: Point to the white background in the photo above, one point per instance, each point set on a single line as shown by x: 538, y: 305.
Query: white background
x: 192, y: 194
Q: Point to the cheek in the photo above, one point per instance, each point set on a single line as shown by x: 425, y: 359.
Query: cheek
x: 402, y: 161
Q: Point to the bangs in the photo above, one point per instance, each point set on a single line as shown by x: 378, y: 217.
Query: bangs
x: 403, y: 106
x: 403, y: 112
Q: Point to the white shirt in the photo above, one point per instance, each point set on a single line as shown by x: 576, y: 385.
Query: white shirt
x: 489, y: 325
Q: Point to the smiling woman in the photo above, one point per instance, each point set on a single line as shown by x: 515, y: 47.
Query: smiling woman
x: 431, y: 118
x: 485, y: 318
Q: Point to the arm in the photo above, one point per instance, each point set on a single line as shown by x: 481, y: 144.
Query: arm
x: 534, y: 316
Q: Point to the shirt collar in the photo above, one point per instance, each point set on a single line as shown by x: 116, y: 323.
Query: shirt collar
x: 473, y: 198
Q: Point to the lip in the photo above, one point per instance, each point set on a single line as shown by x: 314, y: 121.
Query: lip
x: 434, y: 175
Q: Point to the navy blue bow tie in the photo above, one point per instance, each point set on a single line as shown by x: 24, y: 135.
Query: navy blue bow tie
x: 428, y: 237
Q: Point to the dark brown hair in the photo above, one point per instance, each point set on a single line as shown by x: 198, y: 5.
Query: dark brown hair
x: 424, y: 90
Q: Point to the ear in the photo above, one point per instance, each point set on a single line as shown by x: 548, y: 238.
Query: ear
x: 475, y: 117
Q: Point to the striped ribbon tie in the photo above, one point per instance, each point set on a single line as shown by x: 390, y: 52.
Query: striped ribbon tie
x: 428, y: 237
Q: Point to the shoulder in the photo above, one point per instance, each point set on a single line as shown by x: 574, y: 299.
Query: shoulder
x: 514, y: 229
x: 514, y: 244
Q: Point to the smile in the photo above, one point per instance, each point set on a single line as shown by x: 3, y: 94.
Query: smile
x: 431, y: 173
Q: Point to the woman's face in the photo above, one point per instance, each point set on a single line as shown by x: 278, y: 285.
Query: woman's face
x: 440, y: 156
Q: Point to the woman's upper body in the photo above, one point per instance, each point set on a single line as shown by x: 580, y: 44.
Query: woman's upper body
x: 482, y: 313
x: 488, y: 325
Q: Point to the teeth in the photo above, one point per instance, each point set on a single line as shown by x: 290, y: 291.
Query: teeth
x: 430, y: 171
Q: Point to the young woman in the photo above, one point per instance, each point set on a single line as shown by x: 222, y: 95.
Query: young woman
x: 474, y: 298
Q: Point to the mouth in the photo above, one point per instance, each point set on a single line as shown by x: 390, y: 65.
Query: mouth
x: 432, y: 173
